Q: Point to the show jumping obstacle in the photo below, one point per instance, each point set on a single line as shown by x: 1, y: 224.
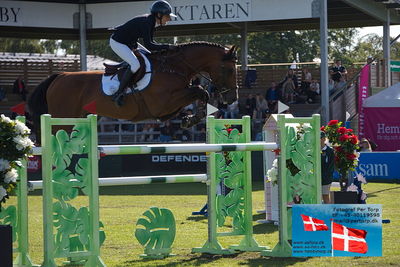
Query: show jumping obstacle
x: 231, y: 168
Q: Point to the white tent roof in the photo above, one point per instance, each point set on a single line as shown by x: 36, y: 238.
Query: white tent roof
x: 390, y: 97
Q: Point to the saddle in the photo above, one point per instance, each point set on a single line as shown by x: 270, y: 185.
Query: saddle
x: 120, y: 68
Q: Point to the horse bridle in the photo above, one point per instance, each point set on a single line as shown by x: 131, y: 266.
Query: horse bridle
x: 222, y: 76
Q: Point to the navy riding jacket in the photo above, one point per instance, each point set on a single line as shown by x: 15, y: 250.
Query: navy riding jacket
x: 138, y: 27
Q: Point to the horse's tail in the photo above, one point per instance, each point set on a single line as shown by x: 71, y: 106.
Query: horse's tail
x: 37, y: 103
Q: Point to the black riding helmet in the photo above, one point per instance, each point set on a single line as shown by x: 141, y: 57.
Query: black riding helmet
x: 162, y: 7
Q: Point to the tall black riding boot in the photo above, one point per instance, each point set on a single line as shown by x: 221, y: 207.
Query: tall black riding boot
x: 118, y: 96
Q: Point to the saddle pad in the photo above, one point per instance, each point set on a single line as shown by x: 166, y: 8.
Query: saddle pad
x: 110, y: 84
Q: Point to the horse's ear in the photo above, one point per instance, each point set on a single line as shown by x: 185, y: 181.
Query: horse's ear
x: 232, y: 50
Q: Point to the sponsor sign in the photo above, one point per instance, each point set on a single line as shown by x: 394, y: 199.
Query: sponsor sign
x: 395, y: 66
x: 162, y: 164
x: 34, y: 164
x: 382, y: 126
x: 379, y: 165
x: 362, y: 95
x: 10, y: 14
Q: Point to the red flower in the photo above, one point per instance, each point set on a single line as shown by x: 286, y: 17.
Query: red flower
x: 338, y: 149
x: 351, y: 156
x: 349, y: 130
x: 341, y: 130
x: 354, y: 139
x: 343, y: 138
x: 333, y: 122
x: 229, y: 130
x: 322, y: 128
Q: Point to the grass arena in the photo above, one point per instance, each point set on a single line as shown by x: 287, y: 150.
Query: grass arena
x: 118, y: 207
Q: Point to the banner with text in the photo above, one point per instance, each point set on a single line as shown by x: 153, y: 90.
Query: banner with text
x: 362, y: 95
x: 379, y: 165
x: 382, y: 126
x: 337, y: 230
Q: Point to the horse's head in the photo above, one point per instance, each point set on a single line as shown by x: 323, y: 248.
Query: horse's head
x: 224, y: 76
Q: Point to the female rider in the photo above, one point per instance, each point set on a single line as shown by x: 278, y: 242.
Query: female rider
x: 125, y: 38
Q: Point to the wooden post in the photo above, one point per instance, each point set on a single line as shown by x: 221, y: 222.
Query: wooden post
x: 76, y: 65
x: 50, y: 62
x: 25, y: 72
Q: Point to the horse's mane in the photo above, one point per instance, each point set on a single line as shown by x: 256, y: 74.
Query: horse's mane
x: 191, y: 44
x: 200, y: 43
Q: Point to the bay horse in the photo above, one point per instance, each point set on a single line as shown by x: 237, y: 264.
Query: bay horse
x: 64, y: 95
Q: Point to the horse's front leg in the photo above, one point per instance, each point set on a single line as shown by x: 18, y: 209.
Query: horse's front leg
x: 191, y: 120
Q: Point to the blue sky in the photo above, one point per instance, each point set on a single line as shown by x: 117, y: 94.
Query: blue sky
x: 394, y: 30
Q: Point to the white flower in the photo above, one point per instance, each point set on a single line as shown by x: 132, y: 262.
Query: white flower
x: 275, y: 163
x: 4, y: 164
x: 5, y: 119
x: 21, y: 128
x: 19, y: 141
x: 272, y: 174
x: 11, y: 176
x: 3, y: 193
x: 28, y: 142
x: 22, y: 142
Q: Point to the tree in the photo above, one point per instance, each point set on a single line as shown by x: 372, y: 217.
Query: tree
x: 16, y: 45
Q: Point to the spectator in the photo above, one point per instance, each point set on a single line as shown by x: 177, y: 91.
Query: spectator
x: 327, y: 168
x: 201, y: 136
x: 331, y: 86
x: 147, y: 133
x: 107, y: 124
x: 306, y: 79
x: 19, y: 87
x: 251, y: 105
x: 272, y: 97
x: 313, y: 92
x: 338, y: 73
x: 289, y: 87
x: 233, y: 110
x: 261, y: 106
x: 370, y: 59
x: 186, y: 135
x: 373, y: 145
x: 166, y: 132
x: 364, y: 145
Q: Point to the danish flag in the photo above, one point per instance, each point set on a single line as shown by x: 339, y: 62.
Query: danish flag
x: 348, y: 239
x: 312, y: 224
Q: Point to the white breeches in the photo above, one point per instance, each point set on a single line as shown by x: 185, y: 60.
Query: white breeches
x: 124, y: 52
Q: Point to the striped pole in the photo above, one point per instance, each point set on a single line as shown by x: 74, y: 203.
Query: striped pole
x: 107, y: 150
x: 183, y: 148
x: 137, y: 180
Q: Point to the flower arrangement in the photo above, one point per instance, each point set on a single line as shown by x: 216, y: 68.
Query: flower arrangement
x: 14, y: 146
x: 272, y: 174
x: 345, y: 144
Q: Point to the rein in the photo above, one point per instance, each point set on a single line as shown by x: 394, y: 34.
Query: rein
x: 210, y: 81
